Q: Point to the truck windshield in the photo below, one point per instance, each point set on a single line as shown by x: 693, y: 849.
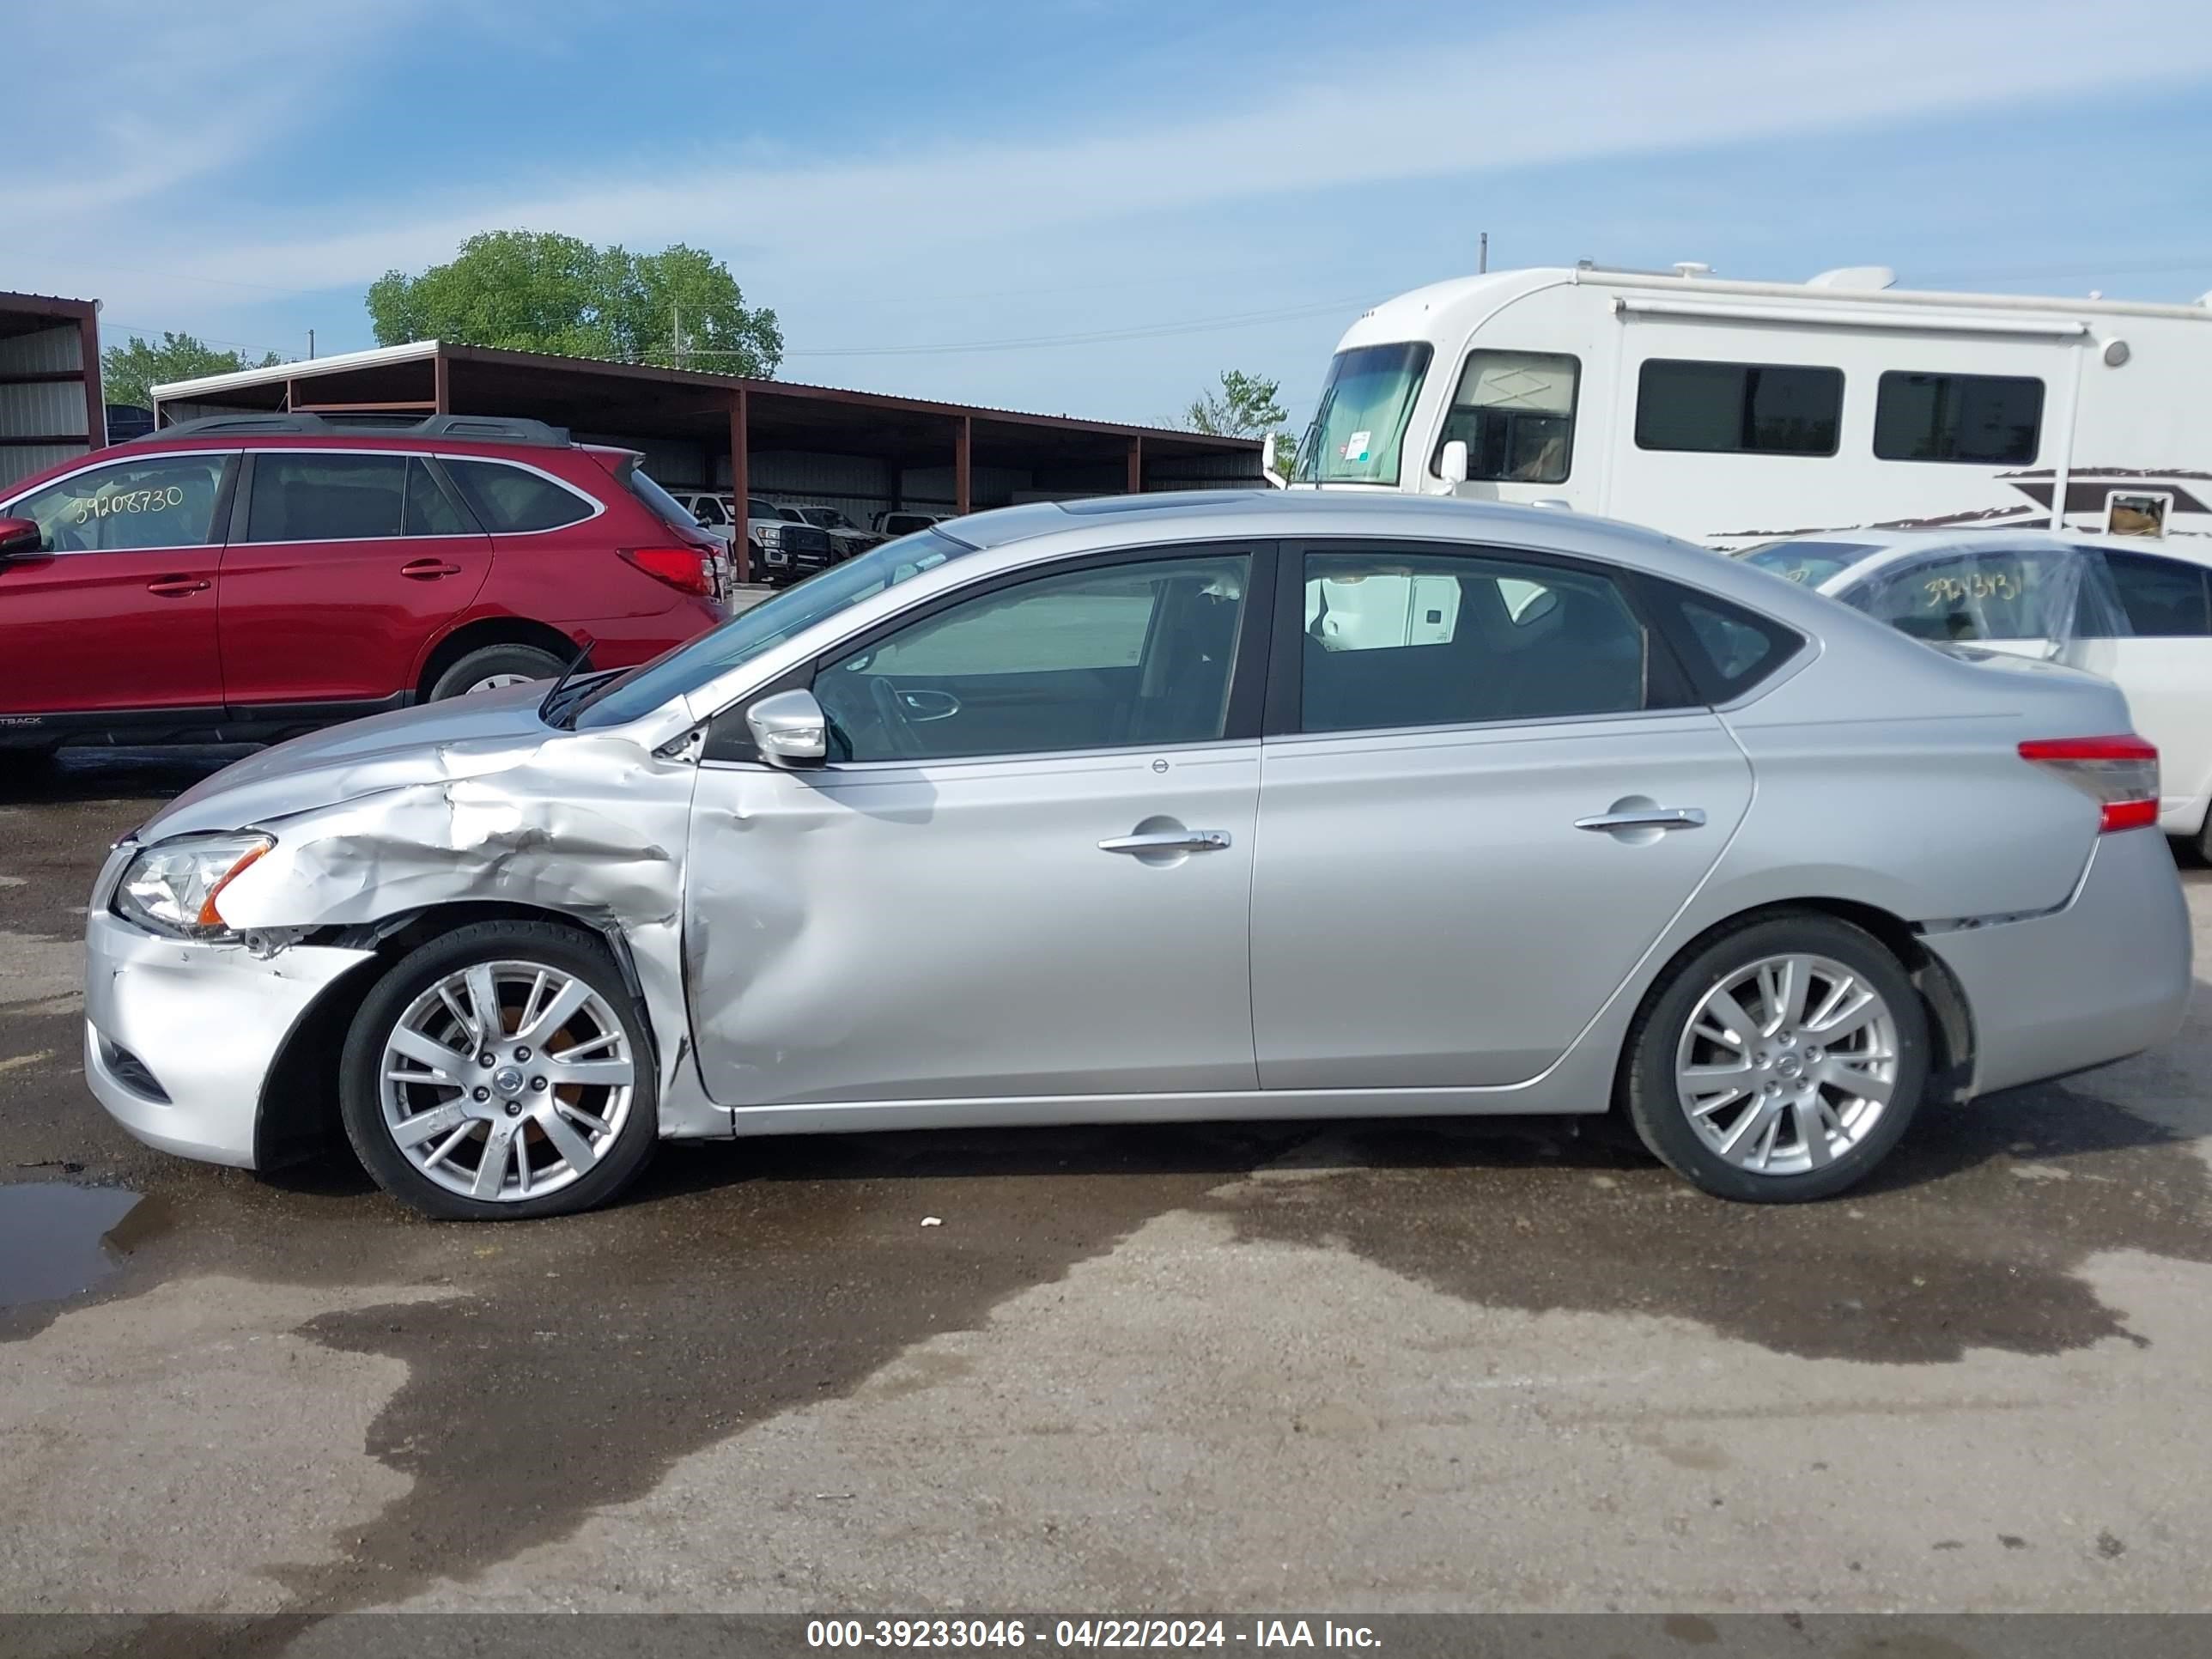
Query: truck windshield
x: 1360, y: 423
x: 748, y: 633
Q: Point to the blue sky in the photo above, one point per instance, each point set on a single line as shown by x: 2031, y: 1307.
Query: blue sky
x: 1092, y: 206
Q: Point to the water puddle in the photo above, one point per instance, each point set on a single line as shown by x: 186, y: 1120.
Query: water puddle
x: 57, y: 1240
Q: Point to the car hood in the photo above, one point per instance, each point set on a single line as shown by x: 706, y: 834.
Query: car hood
x: 463, y: 736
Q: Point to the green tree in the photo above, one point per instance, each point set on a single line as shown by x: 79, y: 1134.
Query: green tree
x: 1245, y: 407
x: 537, y: 291
x: 129, y: 374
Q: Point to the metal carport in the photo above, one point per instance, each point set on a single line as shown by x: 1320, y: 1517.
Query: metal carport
x: 860, y: 452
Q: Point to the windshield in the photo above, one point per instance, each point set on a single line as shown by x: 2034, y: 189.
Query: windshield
x: 1361, y: 420
x: 750, y: 633
x: 1809, y: 563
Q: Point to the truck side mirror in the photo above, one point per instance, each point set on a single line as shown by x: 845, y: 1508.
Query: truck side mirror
x: 1451, y: 465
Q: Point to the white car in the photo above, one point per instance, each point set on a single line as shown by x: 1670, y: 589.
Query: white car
x: 2139, y: 612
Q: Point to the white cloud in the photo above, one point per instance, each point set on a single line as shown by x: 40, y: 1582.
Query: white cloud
x: 135, y: 102
x: 1571, y: 89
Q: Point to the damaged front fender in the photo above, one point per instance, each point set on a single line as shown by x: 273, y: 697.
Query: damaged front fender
x: 591, y: 826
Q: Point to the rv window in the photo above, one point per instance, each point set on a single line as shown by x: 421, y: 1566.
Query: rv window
x: 1738, y: 409
x: 1515, y: 411
x: 1987, y: 419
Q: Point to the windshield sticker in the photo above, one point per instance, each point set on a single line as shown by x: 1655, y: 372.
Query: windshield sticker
x: 1355, y: 447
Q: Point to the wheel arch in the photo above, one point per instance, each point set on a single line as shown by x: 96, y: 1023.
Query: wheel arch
x: 1950, y: 1019
x: 297, y: 1116
x: 484, y: 631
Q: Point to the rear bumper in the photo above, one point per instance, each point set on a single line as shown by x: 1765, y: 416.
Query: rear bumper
x: 2106, y: 977
x: 179, y: 1037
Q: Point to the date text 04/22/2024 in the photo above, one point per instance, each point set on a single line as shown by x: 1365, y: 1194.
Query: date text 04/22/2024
x: 1094, y: 1633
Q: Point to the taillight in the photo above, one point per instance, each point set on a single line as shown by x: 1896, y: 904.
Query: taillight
x: 2120, y: 774
x: 685, y: 568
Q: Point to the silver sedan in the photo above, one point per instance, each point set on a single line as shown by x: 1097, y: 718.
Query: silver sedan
x: 1224, y: 806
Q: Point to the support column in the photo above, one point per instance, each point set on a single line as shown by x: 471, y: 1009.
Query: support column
x: 741, y: 486
x: 96, y: 400
x: 440, y: 393
x: 1136, y: 483
x: 960, y: 448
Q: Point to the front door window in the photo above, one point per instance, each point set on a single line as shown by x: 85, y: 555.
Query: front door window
x: 166, y: 501
x: 1112, y: 657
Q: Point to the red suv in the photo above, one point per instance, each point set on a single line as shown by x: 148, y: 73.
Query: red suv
x: 245, y: 577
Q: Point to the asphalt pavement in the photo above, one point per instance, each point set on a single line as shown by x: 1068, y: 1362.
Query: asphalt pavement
x: 1504, y: 1365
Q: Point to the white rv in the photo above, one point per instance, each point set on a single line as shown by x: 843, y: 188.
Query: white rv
x: 1733, y: 413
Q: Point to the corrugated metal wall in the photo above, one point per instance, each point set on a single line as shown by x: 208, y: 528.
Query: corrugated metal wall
x: 21, y: 460
x: 49, y: 408
x: 49, y: 351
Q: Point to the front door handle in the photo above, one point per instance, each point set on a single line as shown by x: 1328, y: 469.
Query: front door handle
x: 1646, y: 818
x: 429, y: 570
x: 175, y: 587
x: 1167, y: 840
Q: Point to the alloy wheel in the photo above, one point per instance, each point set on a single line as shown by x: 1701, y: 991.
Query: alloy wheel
x: 506, y: 1080
x: 1786, y: 1064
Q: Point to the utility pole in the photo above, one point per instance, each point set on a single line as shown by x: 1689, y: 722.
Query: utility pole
x: 311, y: 345
x: 676, y: 327
x: 1482, y: 254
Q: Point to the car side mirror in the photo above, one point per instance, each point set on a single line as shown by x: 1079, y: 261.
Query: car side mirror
x: 20, y: 536
x: 1451, y: 465
x: 790, y: 730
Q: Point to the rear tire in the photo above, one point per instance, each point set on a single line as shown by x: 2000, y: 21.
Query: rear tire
x: 563, y: 1117
x: 494, y: 665
x: 1781, y: 1062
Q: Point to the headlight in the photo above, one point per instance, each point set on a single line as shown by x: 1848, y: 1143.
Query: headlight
x: 173, y: 888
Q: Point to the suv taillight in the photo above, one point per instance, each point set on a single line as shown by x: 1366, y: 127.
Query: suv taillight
x: 684, y: 568
x: 2120, y: 774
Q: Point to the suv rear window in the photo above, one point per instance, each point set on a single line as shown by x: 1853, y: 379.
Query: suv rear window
x: 509, y: 499
x: 661, y: 504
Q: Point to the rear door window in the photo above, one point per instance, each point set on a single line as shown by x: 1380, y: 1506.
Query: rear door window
x: 2163, y: 599
x: 510, y: 500
x: 319, y: 497
x: 428, y: 510
x: 1406, y: 640
x: 1973, y: 593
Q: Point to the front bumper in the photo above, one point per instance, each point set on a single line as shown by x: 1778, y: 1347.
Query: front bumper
x: 2107, y: 976
x: 180, y: 1037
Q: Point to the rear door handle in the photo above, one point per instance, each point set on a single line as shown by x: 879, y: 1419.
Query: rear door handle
x: 175, y: 587
x: 1168, y: 841
x: 1647, y: 817
x: 429, y: 570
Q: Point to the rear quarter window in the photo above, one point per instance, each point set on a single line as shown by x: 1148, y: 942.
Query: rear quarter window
x: 513, y: 500
x: 1728, y: 649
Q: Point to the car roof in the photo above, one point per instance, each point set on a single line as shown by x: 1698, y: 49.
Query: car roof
x: 1018, y: 535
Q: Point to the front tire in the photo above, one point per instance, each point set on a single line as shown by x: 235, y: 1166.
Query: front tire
x: 501, y: 1072
x: 1781, y: 1062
